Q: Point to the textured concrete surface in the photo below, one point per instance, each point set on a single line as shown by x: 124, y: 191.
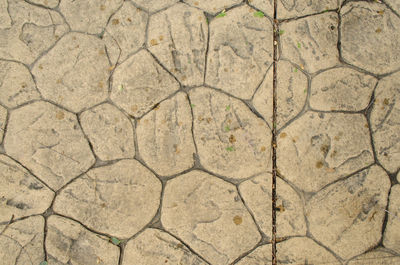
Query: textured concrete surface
x: 139, y: 132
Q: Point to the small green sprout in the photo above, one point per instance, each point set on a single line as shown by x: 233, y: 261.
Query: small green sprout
x: 281, y: 32
x: 258, y: 14
x: 207, y: 20
x: 295, y: 70
x: 121, y: 87
x: 192, y: 105
x: 115, y: 241
x: 227, y: 129
x: 228, y: 108
x: 222, y: 14
x: 298, y: 45
x: 230, y: 148
x: 43, y: 263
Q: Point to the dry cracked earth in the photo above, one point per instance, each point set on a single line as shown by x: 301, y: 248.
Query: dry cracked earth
x: 139, y: 132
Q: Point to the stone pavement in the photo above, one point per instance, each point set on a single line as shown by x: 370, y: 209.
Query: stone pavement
x: 139, y: 132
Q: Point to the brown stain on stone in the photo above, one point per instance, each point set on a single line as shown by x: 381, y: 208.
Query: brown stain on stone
x: 386, y: 101
x: 161, y: 37
x: 283, y: 135
x: 232, y: 139
x: 263, y: 148
x: 60, y: 115
x: 319, y: 164
x: 115, y: 21
x: 134, y: 108
x: 237, y: 220
x: 102, y: 7
x: 153, y: 42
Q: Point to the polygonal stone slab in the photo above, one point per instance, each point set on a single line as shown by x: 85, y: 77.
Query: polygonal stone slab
x: 347, y: 216
x: 59, y: 74
x: 119, y: 199
x: 3, y: 121
x: 46, y: 3
x: 208, y: 215
x: 153, y: 246
x: 49, y: 142
x: 16, y: 84
x: 109, y: 131
x: 391, y: 237
x: 240, y: 52
x: 22, y: 242
x: 311, y: 42
x: 256, y: 193
x: 178, y: 38
x: 21, y: 193
x: 291, y: 94
x: 370, y: 34
x: 88, y: 16
x: 379, y: 256
x: 154, y: 5
x: 341, y: 89
x: 140, y: 83
x: 266, y: 6
x: 385, y: 122
x: 68, y: 242
x: 230, y: 139
x: 319, y: 148
x: 212, y: 6
x: 289, y: 9
x: 127, y: 26
x: 165, y: 137
x: 5, y: 20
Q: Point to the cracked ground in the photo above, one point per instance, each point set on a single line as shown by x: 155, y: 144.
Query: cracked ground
x: 139, y: 132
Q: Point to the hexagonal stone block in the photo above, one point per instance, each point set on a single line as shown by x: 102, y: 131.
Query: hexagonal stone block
x: 391, y: 238
x: 208, y: 215
x: 88, y: 16
x: 385, y: 122
x: 154, y: 5
x: 119, y: 199
x: 319, y: 148
x: 59, y: 74
x: 127, y: 27
x: 178, y: 38
x: 68, y: 242
x: 256, y: 193
x: 379, y: 256
x: 140, y: 250
x: 347, y: 216
x: 49, y: 142
x: 311, y: 42
x: 240, y: 52
x: 109, y: 131
x: 212, y: 6
x: 16, y: 84
x: 370, y: 34
x: 139, y: 83
x: 231, y: 140
x: 341, y: 89
x: 21, y: 193
x: 3, y: 122
x: 165, y: 137
x: 291, y: 94
x: 22, y: 242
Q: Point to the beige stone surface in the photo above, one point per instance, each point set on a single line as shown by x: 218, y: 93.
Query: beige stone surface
x: 379, y: 256
x: 21, y: 193
x: 319, y: 148
x: 59, y: 76
x: 385, y: 122
x: 311, y: 42
x: 391, y: 238
x: 127, y: 26
x: 347, y: 216
x: 154, y: 5
x: 394, y: 4
x: 140, y: 83
x: 109, y: 131
x: 3, y: 122
x: 16, y: 84
x: 266, y: 6
x: 212, y: 6
x: 370, y: 37
x: 165, y: 137
x: 208, y: 215
x: 5, y: 19
x: 45, y: 3
x: 231, y: 140
x: 119, y: 199
x: 154, y: 246
x: 68, y: 242
x: 240, y: 51
x: 178, y: 38
x: 341, y: 89
x: 48, y: 141
x: 22, y: 242
x: 256, y: 193
x: 291, y: 94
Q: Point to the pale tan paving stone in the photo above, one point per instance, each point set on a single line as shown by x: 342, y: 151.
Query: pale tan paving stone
x: 46, y: 3
x: 231, y: 140
x: 394, y: 4
x: 208, y: 215
x: 212, y: 6
x: 68, y: 242
x: 49, y: 142
x: 109, y: 131
x: 240, y: 52
x: 341, y: 89
x: 153, y: 246
x: 3, y: 122
x: 16, y: 84
x: 178, y: 38
x: 21, y: 193
x: 311, y: 42
x: 140, y: 83
x: 391, y: 238
x: 266, y: 6
x: 119, y: 199
x: 298, y: 8
x: 165, y: 138
x: 319, y: 148
x: 385, y: 122
x: 370, y: 34
x: 22, y: 242
x: 154, y: 5
x: 5, y: 19
x: 59, y: 74
x: 379, y: 256
x: 347, y: 216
